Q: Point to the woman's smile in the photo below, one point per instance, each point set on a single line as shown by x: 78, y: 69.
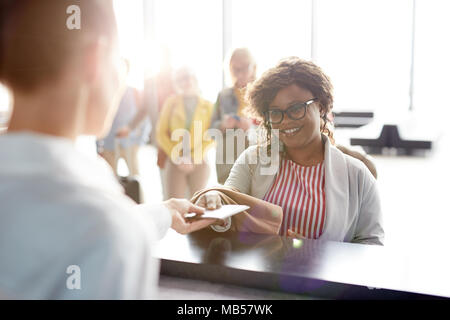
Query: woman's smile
x: 291, y: 131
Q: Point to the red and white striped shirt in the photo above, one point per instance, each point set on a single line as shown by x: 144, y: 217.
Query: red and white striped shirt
x: 300, y: 191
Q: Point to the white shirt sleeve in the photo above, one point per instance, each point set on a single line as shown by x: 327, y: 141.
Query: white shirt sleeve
x: 159, y: 215
x: 118, y: 264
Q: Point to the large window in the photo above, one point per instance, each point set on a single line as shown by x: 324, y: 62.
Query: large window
x: 130, y: 25
x: 192, y: 33
x: 432, y: 57
x: 186, y: 32
x: 272, y: 30
x: 365, y: 47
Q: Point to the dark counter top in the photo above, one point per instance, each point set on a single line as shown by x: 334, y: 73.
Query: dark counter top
x: 307, y: 267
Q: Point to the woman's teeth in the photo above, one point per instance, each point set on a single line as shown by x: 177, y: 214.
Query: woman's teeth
x: 290, y: 131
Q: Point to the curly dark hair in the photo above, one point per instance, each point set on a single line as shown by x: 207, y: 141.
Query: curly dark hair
x: 289, y: 71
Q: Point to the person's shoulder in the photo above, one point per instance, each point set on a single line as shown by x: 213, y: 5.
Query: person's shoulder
x: 338, y: 152
x: 355, y: 165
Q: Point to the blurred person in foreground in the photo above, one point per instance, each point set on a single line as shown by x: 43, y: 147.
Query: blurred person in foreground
x: 61, y: 211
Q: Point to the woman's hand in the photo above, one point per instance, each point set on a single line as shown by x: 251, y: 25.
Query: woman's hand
x: 210, y: 200
x: 292, y: 234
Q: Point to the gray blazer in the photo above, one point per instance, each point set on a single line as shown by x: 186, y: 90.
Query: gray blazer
x: 353, y: 210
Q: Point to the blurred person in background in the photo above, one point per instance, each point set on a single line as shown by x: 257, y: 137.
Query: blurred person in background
x: 228, y: 111
x: 156, y: 91
x: 61, y: 210
x: 112, y: 147
x: 187, y: 167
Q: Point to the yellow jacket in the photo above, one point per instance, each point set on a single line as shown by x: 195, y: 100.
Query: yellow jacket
x: 173, y: 117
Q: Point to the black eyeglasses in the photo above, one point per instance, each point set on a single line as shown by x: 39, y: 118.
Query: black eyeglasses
x: 294, y: 112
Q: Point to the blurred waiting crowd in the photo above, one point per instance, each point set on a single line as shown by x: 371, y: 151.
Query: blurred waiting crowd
x: 172, y: 100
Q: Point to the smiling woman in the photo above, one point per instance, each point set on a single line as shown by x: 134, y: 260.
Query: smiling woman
x: 291, y: 83
x: 323, y: 192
